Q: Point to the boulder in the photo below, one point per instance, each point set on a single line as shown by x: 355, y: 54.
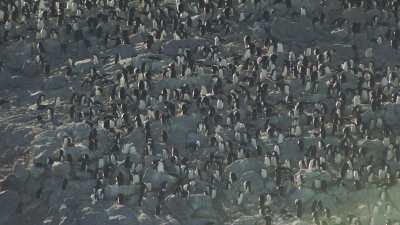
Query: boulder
x: 93, y: 217
x: 144, y: 218
x: 44, y: 137
x: 257, y: 184
x: 309, y: 5
x: 205, y: 213
x: 385, y: 55
x: 243, y: 165
x: 83, y: 66
x: 43, y: 146
x: 156, y: 179
x: 168, y: 220
x: 355, y: 15
x: 41, y: 153
x: 245, y: 220
x: 155, y: 62
x: 280, y: 9
x: 55, y: 82
x: 76, y: 151
x: 61, y: 169
x: 260, y: 30
x: 112, y: 191
x: 299, y: 222
x: 198, y: 201
x: 301, y: 30
x: 178, y: 207
x: 80, y: 131
x: 124, y: 51
x: 171, y: 47
x: 52, y: 46
x: 121, y: 215
x: 309, y: 178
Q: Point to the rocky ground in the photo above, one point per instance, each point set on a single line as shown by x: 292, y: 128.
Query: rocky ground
x: 32, y: 193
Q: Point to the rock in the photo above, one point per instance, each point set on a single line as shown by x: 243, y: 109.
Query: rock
x: 205, y: 213
x: 156, y: 179
x: 105, y: 140
x: 112, y: 191
x: 333, y: 6
x: 67, y: 220
x: 155, y: 62
x: 144, y: 218
x: 36, y: 171
x: 21, y: 172
x: 124, y: 51
x: 10, y: 182
x: 60, y: 169
x: 44, y: 137
x: 13, y: 135
x: 280, y: 9
x: 355, y: 15
x: 305, y: 194
x: 40, y: 157
x: 243, y: 165
x: 121, y: 215
x: 178, y: 207
x: 190, y: 81
x: 52, y: 46
x: 83, y: 66
x: 9, y: 201
x: 90, y: 216
x: 32, y: 185
x: 385, y: 55
x: 309, y: 5
x: 259, y: 30
x: 55, y: 82
x: 168, y: 220
x: 17, y: 52
x: 299, y: 222
x: 309, y: 178
x: 257, y: 184
x: 80, y: 131
x: 300, y: 30
x: 374, y: 148
x: 196, y: 221
x: 76, y: 151
x: 198, y: 201
x: 245, y: 220
x: 171, y: 47
x: 43, y: 145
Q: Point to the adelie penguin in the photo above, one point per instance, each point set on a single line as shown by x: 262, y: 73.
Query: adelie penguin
x: 299, y: 208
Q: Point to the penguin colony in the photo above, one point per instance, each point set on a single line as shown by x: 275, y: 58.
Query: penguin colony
x: 206, y: 111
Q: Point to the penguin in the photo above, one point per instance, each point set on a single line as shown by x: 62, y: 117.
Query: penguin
x: 160, y: 167
x: 220, y: 105
x: 240, y: 198
x: 247, y: 186
x: 64, y: 184
x: 213, y: 193
x: 299, y: 208
x: 120, y: 199
x: 264, y: 173
x: 298, y: 131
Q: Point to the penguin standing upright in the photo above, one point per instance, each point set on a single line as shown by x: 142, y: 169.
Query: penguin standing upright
x: 240, y: 198
x: 299, y: 208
